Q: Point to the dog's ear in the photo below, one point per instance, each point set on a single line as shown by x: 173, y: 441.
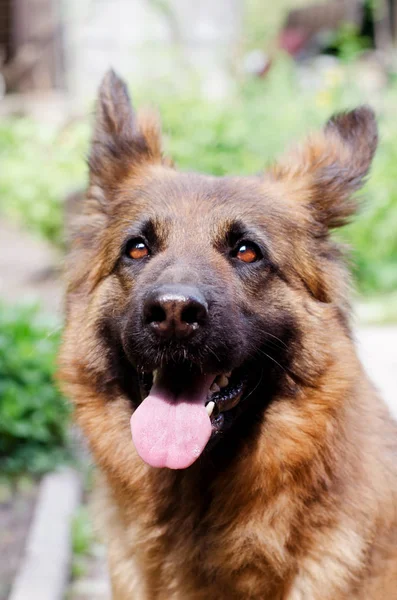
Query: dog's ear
x: 114, y: 117
x: 121, y: 141
x: 331, y: 166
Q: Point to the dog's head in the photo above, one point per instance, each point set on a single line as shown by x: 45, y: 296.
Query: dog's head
x: 199, y: 300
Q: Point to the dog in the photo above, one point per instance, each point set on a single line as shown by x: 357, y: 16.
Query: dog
x: 243, y: 453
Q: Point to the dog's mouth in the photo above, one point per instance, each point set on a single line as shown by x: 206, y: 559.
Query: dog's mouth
x: 225, y: 394
x: 181, y: 410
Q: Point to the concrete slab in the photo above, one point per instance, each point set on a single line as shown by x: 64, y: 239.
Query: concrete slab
x: 45, y: 568
x: 377, y: 348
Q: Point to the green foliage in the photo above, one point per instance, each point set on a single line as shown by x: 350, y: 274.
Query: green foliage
x: 83, y: 541
x: 373, y: 235
x: 33, y: 415
x: 242, y: 134
x: 348, y: 42
x: 263, y: 20
x: 239, y: 135
x: 40, y: 164
x: 82, y: 532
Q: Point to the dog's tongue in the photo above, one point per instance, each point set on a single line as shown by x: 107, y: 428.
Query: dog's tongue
x: 171, y: 427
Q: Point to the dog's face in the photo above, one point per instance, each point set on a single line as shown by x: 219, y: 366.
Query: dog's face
x: 204, y: 298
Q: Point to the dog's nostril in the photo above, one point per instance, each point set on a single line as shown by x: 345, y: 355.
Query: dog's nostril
x: 155, y: 314
x: 189, y: 315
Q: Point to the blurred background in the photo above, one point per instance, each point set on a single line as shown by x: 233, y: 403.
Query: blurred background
x: 235, y: 82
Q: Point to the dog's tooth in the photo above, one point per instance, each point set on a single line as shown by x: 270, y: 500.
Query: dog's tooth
x: 215, y: 388
x: 223, y: 381
x: 210, y: 408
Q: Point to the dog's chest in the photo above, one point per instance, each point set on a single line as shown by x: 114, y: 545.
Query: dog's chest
x: 185, y: 546
x: 182, y: 562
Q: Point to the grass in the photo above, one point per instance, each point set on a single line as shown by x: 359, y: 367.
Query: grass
x: 83, y: 540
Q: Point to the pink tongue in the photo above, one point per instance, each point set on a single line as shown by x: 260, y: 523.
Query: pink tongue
x: 172, y: 429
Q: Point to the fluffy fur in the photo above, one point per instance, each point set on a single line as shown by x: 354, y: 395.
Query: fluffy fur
x: 297, y: 499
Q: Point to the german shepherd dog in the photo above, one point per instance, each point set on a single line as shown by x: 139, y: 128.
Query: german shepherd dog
x: 243, y: 453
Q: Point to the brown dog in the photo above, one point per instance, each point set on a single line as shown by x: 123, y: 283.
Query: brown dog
x: 213, y: 314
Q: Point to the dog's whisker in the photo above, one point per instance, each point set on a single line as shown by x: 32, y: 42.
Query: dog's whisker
x: 261, y: 351
x: 256, y: 386
x: 267, y: 333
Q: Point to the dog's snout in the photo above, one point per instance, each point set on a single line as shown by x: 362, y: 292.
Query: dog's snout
x: 175, y: 311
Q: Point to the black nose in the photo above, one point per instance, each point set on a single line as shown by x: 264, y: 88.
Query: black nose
x: 175, y: 311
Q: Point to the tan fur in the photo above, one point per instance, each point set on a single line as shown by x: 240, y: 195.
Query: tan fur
x: 307, y: 509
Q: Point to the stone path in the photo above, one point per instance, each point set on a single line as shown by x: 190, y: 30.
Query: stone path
x: 29, y: 269
x: 45, y: 569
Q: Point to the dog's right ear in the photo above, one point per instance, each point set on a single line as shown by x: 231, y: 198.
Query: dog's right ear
x: 330, y: 167
x: 121, y: 142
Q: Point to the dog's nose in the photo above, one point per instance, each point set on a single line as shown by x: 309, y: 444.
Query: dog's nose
x: 175, y: 311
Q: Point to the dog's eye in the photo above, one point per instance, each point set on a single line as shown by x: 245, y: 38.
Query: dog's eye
x: 137, y: 249
x: 248, y: 252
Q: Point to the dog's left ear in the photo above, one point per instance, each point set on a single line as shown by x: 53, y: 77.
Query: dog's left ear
x: 121, y: 141
x: 332, y: 165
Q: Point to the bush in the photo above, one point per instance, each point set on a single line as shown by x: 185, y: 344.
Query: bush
x: 33, y: 415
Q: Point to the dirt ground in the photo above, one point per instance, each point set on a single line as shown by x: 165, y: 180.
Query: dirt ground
x: 16, y: 510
